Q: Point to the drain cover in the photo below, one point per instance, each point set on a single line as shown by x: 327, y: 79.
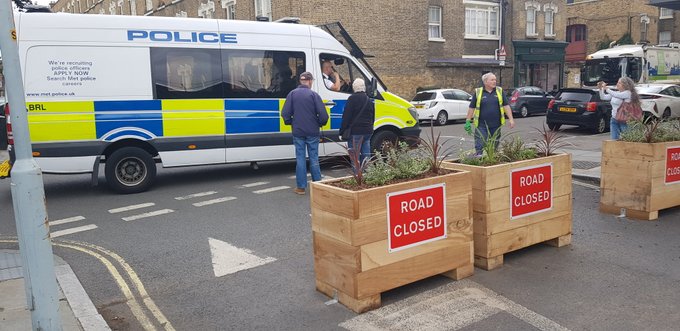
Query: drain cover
x: 585, y: 165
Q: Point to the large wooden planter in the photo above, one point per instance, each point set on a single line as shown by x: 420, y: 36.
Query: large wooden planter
x: 496, y: 232
x: 634, y: 178
x: 351, y: 257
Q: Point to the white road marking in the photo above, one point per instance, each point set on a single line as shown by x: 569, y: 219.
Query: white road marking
x: 310, y: 175
x: 149, y: 214
x: 271, y: 189
x: 254, y: 184
x: 213, y: 201
x: 60, y: 233
x: 450, y: 307
x: 66, y: 220
x: 196, y: 195
x: 227, y: 259
x: 132, y: 207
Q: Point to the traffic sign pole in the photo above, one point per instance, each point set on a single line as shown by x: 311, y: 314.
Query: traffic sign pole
x: 28, y: 194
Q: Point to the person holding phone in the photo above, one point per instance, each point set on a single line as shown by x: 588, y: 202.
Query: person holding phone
x: 331, y: 78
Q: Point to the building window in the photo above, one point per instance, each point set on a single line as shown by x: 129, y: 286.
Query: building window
x: 664, y: 37
x: 666, y: 13
x: 531, y: 22
x: 576, y: 32
x: 434, y: 22
x: 230, y: 8
x: 263, y: 8
x: 481, y: 22
x: 549, y: 26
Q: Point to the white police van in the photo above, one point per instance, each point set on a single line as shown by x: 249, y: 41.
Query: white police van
x: 133, y: 91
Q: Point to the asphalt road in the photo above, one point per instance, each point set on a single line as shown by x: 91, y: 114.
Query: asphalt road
x: 617, y: 274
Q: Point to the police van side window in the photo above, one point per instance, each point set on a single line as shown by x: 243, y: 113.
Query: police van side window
x: 261, y: 74
x: 346, y: 69
x: 179, y: 73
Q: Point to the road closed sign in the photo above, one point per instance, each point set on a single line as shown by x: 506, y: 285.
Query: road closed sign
x: 673, y: 165
x: 416, y: 216
x: 531, y: 190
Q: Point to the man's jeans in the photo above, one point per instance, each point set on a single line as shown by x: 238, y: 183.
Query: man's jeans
x: 311, y: 145
x: 365, y: 148
x: 482, y: 133
x: 616, y: 128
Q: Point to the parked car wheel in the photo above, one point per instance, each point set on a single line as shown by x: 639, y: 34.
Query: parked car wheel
x: 442, y: 118
x: 554, y: 126
x: 524, y: 111
x: 601, y: 125
x: 130, y: 170
x: 666, y: 114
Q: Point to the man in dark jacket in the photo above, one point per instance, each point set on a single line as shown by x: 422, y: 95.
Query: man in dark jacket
x: 305, y: 111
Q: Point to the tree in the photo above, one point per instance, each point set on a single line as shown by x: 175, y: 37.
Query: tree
x: 626, y: 39
x: 604, y: 43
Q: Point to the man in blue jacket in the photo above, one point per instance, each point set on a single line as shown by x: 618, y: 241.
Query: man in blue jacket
x: 305, y: 111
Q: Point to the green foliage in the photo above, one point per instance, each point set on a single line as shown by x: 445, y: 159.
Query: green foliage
x: 626, y: 39
x: 604, y: 43
x: 550, y: 141
x: 651, y: 130
x: 399, y: 162
x: 515, y: 150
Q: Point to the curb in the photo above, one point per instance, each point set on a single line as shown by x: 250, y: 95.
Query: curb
x: 586, y: 178
x: 83, y: 308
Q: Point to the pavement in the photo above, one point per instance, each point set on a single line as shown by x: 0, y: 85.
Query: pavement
x: 79, y: 313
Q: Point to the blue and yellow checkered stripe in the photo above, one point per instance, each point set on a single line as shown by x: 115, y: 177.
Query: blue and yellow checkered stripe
x: 147, y: 119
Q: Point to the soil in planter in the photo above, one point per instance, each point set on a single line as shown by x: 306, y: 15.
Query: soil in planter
x: 343, y: 183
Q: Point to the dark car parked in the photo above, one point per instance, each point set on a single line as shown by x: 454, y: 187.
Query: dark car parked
x: 578, y: 106
x: 528, y: 100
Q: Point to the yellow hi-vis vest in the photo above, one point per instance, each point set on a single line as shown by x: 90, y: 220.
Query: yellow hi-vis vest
x: 499, y: 93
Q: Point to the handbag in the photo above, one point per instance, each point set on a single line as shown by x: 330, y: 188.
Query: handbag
x: 347, y: 132
x: 628, y: 111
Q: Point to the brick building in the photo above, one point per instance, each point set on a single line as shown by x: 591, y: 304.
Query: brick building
x: 593, y: 22
x: 537, y: 36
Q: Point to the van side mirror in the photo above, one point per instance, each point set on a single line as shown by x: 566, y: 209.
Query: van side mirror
x: 373, y: 89
x: 339, y: 61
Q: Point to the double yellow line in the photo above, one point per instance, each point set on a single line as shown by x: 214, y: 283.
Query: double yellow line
x: 105, y: 256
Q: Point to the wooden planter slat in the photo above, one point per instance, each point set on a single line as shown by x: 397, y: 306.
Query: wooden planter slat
x: 495, y: 233
x: 351, y: 255
x: 633, y: 177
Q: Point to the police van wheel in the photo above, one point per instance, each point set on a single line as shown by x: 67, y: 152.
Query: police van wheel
x: 383, y: 140
x: 130, y: 170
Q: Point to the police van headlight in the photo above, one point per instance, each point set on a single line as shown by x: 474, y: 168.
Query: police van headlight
x: 413, y: 112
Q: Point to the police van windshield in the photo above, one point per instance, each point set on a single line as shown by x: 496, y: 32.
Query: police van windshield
x: 609, y: 70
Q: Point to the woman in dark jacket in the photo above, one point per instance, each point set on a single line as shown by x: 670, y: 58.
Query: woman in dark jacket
x: 358, y: 116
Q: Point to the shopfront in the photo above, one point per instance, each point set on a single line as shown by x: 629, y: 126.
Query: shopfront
x: 539, y: 63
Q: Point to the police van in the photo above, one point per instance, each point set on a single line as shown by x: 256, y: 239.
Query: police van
x: 132, y: 91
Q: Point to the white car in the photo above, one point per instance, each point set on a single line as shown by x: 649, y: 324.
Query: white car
x: 441, y: 105
x: 660, y: 100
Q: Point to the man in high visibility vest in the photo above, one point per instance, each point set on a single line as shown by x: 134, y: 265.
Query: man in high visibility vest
x: 487, y: 112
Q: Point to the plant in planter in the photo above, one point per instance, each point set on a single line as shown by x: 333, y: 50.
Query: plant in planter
x: 641, y: 172
x: 407, y: 220
x: 521, y: 197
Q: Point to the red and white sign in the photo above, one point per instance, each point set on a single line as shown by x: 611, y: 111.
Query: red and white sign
x: 673, y: 165
x: 416, y: 216
x: 502, y: 51
x: 531, y: 190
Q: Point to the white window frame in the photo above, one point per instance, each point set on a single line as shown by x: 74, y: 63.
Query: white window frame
x: 535, y: 7
x: 263, y: 8
x: 437, y: 24
x: 669, y: 37
x: 552, y: 9
x: 665, y: 13
x: 230, y: 7
x: 473, y: 9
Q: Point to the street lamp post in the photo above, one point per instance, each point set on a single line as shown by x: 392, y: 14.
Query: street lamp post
x: 28, y: 194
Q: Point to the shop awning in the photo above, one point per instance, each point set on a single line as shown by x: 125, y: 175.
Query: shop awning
x: 671, y: 4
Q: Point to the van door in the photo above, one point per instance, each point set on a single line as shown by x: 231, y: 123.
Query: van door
x: 335, y: 93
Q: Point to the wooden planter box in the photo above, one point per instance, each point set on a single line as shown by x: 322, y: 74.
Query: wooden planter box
x: 634, y: 177
x: 496, y: 232
x: 352, y: 261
